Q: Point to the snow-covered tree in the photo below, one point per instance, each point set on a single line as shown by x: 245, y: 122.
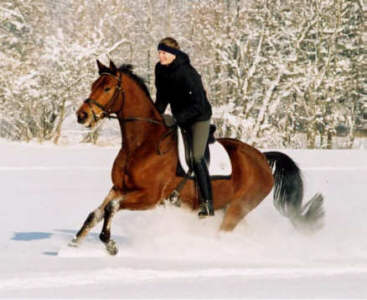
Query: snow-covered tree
x: 275, y: 71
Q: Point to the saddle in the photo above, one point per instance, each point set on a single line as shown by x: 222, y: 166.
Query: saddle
x: 216, y: 157
x: 187, y: 142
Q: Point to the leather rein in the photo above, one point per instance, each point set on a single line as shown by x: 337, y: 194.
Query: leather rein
x: 107, y: 112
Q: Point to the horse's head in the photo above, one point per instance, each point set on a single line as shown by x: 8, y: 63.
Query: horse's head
x: 104, y: 98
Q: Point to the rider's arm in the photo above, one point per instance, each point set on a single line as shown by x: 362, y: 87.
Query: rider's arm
x: 161, y: 101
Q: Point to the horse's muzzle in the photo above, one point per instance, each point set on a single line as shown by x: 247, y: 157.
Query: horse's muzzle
x: 82, y: 117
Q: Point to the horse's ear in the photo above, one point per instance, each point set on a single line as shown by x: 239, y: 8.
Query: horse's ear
x: 102, y: 68
x: 113, y: 68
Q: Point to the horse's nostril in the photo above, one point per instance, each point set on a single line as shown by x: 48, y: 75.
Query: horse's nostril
x: 82, y: 116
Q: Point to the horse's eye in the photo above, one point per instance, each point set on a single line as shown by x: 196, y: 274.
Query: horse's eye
x: 107, y: 89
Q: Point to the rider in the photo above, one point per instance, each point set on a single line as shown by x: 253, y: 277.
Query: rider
x: 180, y: 85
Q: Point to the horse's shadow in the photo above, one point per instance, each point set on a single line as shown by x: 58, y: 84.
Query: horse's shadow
x: 66, y: 233
x: 34, y: 235
x: 30, y: 236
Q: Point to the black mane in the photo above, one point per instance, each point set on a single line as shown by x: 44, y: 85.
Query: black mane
x: 128, y: 70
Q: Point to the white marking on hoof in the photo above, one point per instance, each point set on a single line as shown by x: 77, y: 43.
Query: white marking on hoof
x: 74, y: 243
x: 112, y: 248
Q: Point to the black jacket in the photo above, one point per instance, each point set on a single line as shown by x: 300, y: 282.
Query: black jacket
x: 180, y: 85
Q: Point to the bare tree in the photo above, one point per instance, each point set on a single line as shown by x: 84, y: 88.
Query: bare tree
x: 275, y: 71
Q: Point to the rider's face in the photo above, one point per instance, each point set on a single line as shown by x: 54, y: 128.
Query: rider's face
x: 165, y: 58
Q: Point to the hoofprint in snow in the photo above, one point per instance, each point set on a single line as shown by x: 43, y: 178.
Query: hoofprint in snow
x: 47, y: 191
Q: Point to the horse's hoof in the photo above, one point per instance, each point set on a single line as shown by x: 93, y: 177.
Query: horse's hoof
x: 73, y: 243
x: 175, y: 199
x: 112, y: 248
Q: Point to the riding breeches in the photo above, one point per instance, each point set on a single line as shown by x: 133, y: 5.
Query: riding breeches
x: 200, y: 134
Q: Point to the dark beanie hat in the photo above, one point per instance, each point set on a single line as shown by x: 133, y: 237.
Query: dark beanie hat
x: 169, y: 49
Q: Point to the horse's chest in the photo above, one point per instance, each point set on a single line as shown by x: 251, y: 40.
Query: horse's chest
x: 137, y: 173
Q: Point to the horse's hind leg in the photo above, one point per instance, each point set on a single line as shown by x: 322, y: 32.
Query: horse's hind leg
x: 237, y: 210
x: 94, y: 218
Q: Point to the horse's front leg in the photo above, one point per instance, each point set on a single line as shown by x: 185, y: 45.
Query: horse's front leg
x: 139, y: 200
x: 95, y: 217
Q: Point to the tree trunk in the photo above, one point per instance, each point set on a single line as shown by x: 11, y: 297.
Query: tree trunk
x: 311, y: 139
x: 59, y: 122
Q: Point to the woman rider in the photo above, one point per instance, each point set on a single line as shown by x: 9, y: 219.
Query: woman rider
x: 180, y: 85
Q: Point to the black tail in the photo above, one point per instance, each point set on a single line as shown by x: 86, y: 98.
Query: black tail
x: 288, y: 194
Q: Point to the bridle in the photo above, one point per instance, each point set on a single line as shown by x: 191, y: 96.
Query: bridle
x: 106, y: 110
x: 108, y: 113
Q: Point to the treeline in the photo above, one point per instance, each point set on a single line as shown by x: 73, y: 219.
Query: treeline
x: 279, y: 73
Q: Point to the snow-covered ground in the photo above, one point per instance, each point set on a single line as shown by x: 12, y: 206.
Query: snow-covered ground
x: 47, y: 192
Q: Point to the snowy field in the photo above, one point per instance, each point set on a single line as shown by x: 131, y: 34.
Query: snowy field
x: 48, y: 191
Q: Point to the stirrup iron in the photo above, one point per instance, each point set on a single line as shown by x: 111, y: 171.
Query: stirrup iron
x: 206, y: 209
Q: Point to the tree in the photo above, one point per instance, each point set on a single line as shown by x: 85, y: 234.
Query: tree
x: 275, y: 71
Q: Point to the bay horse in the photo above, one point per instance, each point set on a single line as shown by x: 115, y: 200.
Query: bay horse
x: 144, y: 171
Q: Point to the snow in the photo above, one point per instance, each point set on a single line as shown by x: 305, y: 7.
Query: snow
x: 48, y: 191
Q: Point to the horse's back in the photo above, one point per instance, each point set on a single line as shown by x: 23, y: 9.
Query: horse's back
x: 250, y: 152
x: 250, y: 167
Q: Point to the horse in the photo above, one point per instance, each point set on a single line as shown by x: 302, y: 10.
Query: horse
x: 144, y: 171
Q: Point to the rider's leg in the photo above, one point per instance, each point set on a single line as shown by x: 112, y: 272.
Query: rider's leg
x: 200, y: 133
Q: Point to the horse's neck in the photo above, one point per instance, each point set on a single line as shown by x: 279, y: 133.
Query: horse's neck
x: 135, y: 133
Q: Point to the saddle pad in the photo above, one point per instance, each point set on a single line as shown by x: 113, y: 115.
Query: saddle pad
x: 220, y: 165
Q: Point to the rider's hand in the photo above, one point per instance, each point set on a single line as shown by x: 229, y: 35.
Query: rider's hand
x: 169, y: 120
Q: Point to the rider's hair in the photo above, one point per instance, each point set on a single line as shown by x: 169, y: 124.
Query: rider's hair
x: 170, y: 42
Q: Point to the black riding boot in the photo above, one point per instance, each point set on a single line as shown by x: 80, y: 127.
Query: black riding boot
x: 203, y: 180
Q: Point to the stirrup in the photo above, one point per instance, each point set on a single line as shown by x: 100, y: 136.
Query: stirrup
x: 205, y: 209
